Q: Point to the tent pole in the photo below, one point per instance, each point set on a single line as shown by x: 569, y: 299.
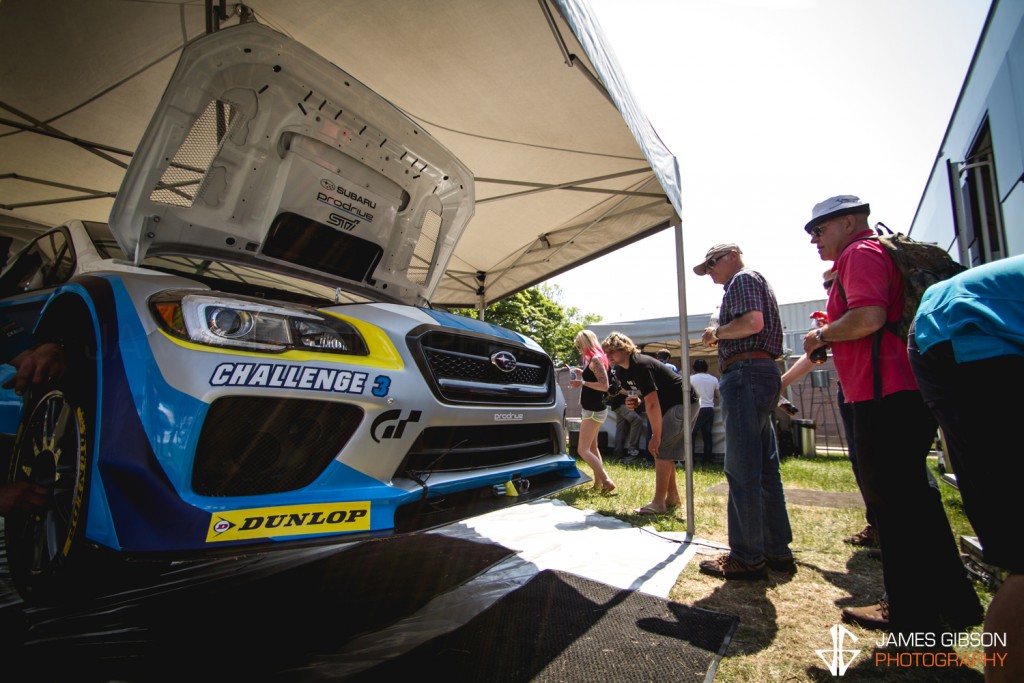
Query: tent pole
x: 684, y: 370
x: 481, y: 292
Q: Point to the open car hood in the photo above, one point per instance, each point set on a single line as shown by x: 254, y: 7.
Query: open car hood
x: 263, y: 152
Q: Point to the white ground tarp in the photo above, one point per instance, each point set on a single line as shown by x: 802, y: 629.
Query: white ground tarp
x: 505, y: 84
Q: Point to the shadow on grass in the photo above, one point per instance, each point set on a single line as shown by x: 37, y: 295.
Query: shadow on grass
x: 748, y: 601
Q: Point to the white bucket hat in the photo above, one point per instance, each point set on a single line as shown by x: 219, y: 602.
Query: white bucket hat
x: 833, y: 207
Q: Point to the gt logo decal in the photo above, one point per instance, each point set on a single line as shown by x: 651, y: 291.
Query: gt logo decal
x: 289, y: 377
x: 393, y: 431
x: 293, y: 520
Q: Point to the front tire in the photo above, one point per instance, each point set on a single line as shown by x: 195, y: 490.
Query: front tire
x: 46, y: 549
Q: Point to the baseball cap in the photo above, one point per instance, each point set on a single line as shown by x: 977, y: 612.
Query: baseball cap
x: 702, y: 267
x: 833, y: 207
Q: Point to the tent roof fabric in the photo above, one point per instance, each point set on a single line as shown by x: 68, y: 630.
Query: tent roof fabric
x: 560, y: 177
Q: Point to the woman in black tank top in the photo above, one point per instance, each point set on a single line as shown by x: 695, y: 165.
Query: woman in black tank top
x: 592, y: 380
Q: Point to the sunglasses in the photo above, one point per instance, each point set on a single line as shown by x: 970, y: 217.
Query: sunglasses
x: 819, y: 229
x: 710, y: 263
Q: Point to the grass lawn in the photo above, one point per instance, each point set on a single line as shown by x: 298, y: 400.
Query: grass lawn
x: 784, y: 620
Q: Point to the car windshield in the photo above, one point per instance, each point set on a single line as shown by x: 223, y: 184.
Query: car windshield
x: 221, y: 274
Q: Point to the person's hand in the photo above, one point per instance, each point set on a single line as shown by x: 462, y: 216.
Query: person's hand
x: 578, y: 382
x: 44, y: 363
x: 654, y: 446
x: 21, y: 496
x: 710, y: 337
x: 811, y: 342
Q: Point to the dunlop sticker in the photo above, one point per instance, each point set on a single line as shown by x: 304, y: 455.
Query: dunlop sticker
x: 291, y: 520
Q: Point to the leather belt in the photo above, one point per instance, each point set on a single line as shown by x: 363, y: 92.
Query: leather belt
x: 745, y: 355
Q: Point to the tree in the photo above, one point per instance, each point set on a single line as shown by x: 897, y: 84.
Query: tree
x: 537, y: 313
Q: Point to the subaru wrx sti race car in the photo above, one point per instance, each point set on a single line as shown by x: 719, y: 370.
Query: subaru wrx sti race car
x: 252, y: 359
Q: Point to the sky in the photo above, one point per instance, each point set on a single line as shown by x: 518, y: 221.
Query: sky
x: 771, y: 106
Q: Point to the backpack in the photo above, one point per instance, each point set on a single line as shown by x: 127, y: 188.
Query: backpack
x: 921, y: 264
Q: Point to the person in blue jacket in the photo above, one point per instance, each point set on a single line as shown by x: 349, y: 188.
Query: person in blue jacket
x: 968, y: 337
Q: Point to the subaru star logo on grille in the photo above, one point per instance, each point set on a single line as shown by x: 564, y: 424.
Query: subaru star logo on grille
x: 504, y: 361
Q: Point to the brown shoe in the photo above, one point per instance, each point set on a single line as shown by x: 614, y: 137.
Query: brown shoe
x: 872, y: 617
x: 728, y: 567
x: 866, y: 537
x: 782, y: 564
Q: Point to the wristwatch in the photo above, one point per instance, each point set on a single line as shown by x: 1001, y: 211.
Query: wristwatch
x: 819, y: 336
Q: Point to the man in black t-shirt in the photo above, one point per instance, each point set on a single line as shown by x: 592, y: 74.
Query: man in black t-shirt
x: 661, y: 391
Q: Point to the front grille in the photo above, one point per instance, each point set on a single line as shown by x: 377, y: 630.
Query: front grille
x: 460, y: 370
x: 448, y: 449
x: 251, y: 445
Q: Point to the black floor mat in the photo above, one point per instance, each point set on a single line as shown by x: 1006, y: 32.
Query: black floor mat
x: 250, y: 628
x: 562, y: 627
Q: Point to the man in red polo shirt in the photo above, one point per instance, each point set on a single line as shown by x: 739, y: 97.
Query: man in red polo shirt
x: 927, y: 584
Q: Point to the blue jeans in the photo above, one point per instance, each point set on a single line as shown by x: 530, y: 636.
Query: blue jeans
x: 702, y: 425
x: 846, y: 415
x: 627, y: 429
x: 758, y: 520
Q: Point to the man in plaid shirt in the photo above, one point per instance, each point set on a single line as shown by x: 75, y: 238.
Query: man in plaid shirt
x: 749, y: 340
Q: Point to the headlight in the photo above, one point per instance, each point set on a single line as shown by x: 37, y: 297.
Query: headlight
x: 254, y: 325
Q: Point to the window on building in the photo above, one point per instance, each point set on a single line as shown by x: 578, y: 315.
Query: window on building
x: 976, y: 207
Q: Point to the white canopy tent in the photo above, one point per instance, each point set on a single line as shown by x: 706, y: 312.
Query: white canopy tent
x: 526, y: 92
x: 504, y: 84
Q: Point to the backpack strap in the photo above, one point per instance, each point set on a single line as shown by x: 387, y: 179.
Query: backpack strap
x: 876, y: 352
x: 876, y: 343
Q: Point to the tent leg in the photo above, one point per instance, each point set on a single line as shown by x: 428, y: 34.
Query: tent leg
x: 684, y: 370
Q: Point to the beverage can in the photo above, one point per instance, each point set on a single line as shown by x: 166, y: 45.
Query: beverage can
x: 819, y: 355
x: 713, y: 321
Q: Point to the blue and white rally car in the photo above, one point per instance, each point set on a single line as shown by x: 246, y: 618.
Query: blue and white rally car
x: 252, y: 358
